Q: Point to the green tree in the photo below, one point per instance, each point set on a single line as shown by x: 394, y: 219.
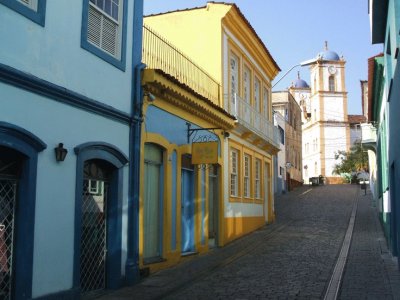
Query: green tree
x: 355, y: 160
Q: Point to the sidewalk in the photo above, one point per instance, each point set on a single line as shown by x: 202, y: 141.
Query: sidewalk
x: 370, y: 272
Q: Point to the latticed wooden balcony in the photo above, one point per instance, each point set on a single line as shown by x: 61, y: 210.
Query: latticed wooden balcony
x: 158, y: 53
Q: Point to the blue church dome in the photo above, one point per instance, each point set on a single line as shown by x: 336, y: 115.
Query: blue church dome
x: 328, y: 55
x: 300, y: 83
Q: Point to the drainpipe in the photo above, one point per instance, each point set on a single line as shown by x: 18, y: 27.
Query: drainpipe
x: 132, y: 259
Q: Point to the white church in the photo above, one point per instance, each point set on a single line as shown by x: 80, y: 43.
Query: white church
x: 325, y: 128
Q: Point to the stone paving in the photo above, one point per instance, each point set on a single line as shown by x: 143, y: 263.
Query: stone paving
x: 290, y: 259
x: 370, y: 272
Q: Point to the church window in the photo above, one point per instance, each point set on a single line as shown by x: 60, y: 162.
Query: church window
x: 332, y: 83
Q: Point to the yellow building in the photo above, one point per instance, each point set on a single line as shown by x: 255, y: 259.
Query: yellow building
x: 182, y: 130
x: 220, y: 39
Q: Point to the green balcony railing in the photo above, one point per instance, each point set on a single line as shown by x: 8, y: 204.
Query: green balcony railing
x: 158, y: 53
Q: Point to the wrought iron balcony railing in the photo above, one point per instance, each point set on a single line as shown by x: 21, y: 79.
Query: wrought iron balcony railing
x: 252, y: 119
x: 158, y: 53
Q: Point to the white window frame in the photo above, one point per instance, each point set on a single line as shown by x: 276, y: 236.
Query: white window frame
x: 246, y: 176
x: 257, y: 179
x: 257, y: 89
x: 32, y: 4
x: 266, y: 103
x: 105, y: 18
x: 234, y: 77
x: 246, y: 84
x: 234, y: 172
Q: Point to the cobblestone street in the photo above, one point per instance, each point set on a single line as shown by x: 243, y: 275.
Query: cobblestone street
x: 291, y: 259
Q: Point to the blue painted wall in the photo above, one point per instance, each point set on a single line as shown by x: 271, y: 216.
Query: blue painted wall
x: 51, y: 55
x: 54, y: 53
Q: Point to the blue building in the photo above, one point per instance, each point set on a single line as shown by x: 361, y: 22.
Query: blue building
x: 70, y: 123
x: 384, y: 108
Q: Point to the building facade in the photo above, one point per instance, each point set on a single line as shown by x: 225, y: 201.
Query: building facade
x: 285, y: 104
x: 220, y: 40
x: 325, y: 121
x: 355, y: 122
x: 280, y: 185
x: 180, y: 213
x: 383, y: 93
x: 68, y: 124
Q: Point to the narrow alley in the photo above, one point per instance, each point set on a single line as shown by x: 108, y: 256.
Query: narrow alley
x: 293, y: 258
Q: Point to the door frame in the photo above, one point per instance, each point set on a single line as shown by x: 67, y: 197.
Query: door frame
x: 29, y: 145
x: 193, y: 211
x: 115, y: 157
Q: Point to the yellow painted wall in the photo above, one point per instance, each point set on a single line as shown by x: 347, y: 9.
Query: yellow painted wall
x: 172, y: 257
x: 196, y: 32
x: 237, y: 227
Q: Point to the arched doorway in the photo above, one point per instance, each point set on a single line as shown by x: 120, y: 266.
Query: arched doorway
x: 98, y: 217
x: 97, y: 175
x: 153, y: 203
x: 11, y: 163
x: 18, y: 170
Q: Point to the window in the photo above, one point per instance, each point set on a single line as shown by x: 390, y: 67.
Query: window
x: 104, y: 30
x: 32, y: 4
x: 281, y: 171
x: 234, y: 66
x: 266, y: 103
x: 247, y: 170
x: 257, y: 94
x: 332, y: 83
x: 257, y: 179
x: 282, y: 134
x: 246, y: 84
x: 315, y: 168
x: 31, y: 9
x: 234, y: 172
x: 153, y: 202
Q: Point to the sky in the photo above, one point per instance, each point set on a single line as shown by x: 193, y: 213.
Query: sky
x: 295, y: 31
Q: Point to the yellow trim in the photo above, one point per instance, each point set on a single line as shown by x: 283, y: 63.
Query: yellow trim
x: 238, y: 197
x: 271, y: 212
x: 179, y: 101
x: 167, y: 222
x: 258, y: 157
x: 254, y: 73
x: 234, y: 23
x: 253, y: 154
x: 249, y: 153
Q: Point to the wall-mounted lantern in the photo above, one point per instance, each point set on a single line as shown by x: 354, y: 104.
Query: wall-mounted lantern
x: 61, y: 152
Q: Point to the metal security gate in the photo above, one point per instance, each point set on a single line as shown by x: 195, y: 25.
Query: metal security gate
x: 94, y: 230
x: 8, y: 194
